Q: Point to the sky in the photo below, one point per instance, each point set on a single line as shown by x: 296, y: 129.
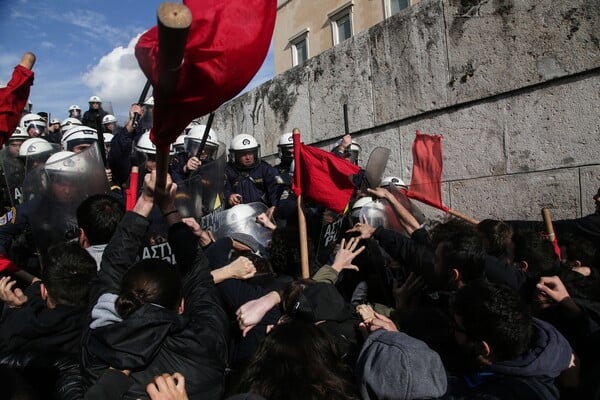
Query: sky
x: 83, y: 48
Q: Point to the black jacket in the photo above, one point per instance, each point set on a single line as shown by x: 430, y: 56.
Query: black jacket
x: 154, y: 340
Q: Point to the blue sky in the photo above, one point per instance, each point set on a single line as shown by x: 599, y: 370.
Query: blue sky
x: 83, y: 48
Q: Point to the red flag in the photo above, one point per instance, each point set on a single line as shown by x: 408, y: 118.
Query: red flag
x: 227, y: 43
x: 426, y: 182
x: 322, y: 176
x: 13, y: 98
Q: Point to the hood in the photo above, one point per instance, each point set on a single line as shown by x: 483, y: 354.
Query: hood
x: 393, y: 365
x: 549, y: 354
x: 135, y: 341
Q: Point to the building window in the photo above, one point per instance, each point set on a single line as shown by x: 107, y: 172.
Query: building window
x: 392, y: 7
x: 299, y: 47
x: 341, y: 23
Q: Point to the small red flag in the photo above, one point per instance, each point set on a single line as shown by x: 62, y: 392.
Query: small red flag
x: 13, y: 98
x: 227, y: 43
x: 426, y: 182
x: 322, y: 176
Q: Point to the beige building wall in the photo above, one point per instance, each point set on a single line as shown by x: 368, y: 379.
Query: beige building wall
x: 297, y: 17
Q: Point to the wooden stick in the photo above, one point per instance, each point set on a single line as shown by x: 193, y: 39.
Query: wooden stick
x: 28, y: 60
x: 462, y: 216
x: 548, y: 222
x: 303, y: 239
x: 174, y: 20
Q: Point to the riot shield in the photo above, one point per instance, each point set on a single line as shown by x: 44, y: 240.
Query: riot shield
x: 201, y: 194
x: 331, y: 229
x: 376, y: 166
x: 380, y: 213
x: 13, y: 170
x: 63, y: 185
x: 400, y: 195
x: 241, y: 219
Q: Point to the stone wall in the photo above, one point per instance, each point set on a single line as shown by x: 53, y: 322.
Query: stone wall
x: 513, y: 87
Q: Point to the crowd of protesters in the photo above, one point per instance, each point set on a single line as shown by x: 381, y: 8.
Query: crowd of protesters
x: 100, y: 302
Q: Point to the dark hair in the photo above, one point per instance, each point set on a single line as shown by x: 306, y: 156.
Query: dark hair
x: 98, y: 216
x: 443, y: 231
x: 297, y: 360
x: 579, y: 248
x: 497, y: 237
x: 285, y: 251
x: 149, y: 281
x: 495, y: 314
x: 537, y: 251
x: 464, y: 252
x: 67, y: 270
x: 262, y: 265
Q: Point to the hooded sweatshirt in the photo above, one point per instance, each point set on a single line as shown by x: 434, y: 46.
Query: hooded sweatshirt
x: 530, y: 375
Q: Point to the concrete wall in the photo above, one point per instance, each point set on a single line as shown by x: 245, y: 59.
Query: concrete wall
x: 513, y: 87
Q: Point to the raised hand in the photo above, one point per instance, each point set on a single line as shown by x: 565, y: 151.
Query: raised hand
x: 346, y: 254
x: 14, y: 298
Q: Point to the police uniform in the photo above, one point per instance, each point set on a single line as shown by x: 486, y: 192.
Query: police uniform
x: 258, y: 184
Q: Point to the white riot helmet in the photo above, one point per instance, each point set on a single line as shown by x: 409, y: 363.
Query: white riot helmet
x: 352, y: 152
x: 19, y: 134
x: 36, y: 151
x: 393, y: 180
x: 144, y: 145
x: 109, y: 119
x: 78, y: 135
x: 179, y: 144
x: 74, y: 111
x: 358, y: 204
x: 64, y: 167
x: 54, y: 121
x: 194, y: 139
x: 95, y: 99
x: 108, y: 137
x: 68, y: 123
x: 286, y: 147
x: 33, y: 123
x: 244, y: 144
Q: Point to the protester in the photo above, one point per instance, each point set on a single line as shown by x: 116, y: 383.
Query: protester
x: 148, y: 316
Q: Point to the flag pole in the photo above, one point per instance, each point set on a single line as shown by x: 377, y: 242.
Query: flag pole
x: 462, y: 216
x: 303, y: 239
x: 174, y: 21
x: 550, y: 230
x: 301, y: 217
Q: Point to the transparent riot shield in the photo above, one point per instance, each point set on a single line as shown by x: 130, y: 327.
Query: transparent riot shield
x: 13, y: 171
x: 400, y: 195
x: 202, y: 193
x: 380, y: 213
x: 242, y: 219
x: 331, y: 230
x: 63, y: 185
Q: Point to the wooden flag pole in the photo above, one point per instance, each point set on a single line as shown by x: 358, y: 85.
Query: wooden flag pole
x: 174, y: 21
x: 548, y: 223
x: 303, y: 239
x: 462, y: 216
x: 301, y: 217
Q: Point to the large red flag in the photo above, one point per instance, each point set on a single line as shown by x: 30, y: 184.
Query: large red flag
x: 322, y: 176
x: 227, y: 43
x: 13, y: 98
x: 426, y: 182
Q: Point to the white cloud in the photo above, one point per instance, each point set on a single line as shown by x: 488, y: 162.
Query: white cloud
x: 117, y: 78
x: 47, y: 45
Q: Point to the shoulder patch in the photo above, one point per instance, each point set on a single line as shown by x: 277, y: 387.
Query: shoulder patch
x: 10, y: 216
